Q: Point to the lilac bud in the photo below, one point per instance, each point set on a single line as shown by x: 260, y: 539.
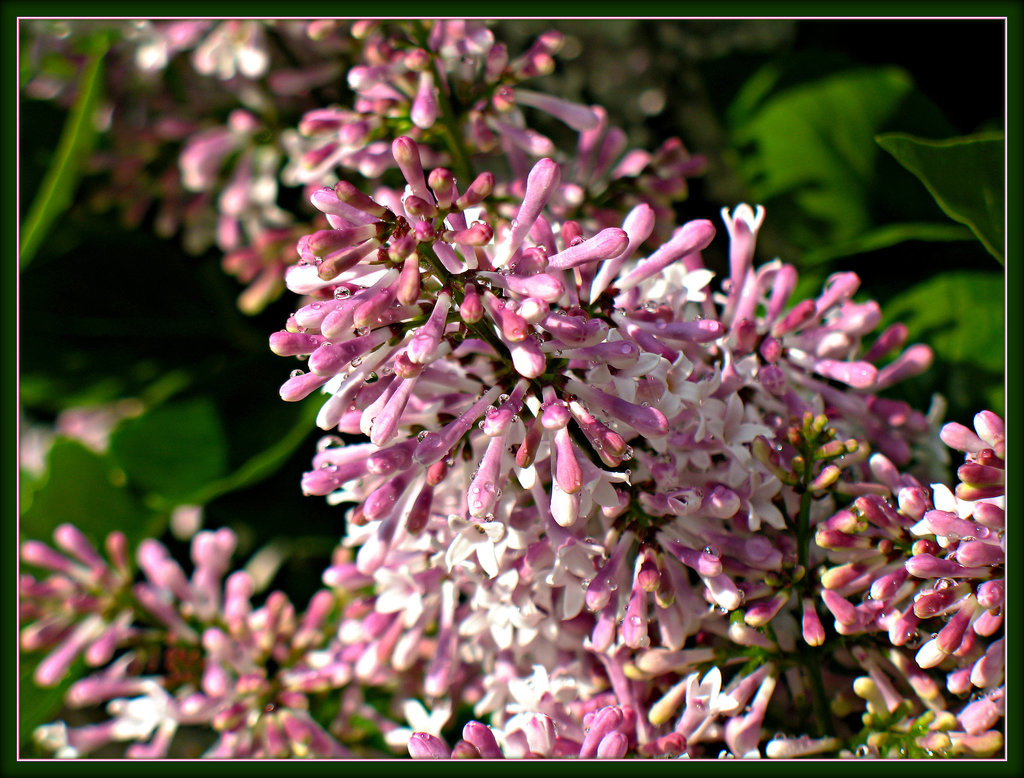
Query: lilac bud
x: 541, y: 184
x: 604, y: 722
x: 693, y: 236
x: 424, y: 111
x: 811, y: 628
x: 513, y: 327
x: 290, y: 344
x: 527, y: 358
x: 481, y: 736
x: 442, y: 184
x: 424, y: 344
x: 478, y: 191
x: 859, y: 375
x: 407, y: 155
x: 914, y: 361
x: 349, y: 194
x: 743, y: 226
x: 606, y: 244
x: 471, y: 309
x: 578, y: 117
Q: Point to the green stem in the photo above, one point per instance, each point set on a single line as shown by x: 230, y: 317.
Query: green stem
x: 819, y: 700
x: 811, y: 663
x: 449, y: 125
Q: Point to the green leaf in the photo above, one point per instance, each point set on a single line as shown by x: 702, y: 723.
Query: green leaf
x: 173, y: 450
x: 266, y: 462
x: 965, y: 176
x: 84, y: 489
x: 806, y: 151
x: 961, y: 316
x: 76, y: 142
x: 812, y: 145
x: 884, y: 237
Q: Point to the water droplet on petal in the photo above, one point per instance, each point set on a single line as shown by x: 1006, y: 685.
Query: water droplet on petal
x: 329, y: 441
x: 296, y: 373
x: 422, y: 435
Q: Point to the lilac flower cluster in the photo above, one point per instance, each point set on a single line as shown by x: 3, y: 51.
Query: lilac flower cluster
x: 596, y: 503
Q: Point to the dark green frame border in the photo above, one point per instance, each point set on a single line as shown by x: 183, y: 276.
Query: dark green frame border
x: 525, y: 8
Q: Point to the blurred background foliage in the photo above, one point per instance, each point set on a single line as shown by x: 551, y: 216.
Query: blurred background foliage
x: 787, y: 113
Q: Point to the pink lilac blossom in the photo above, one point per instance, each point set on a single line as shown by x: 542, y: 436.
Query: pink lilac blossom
x: 623, y: 431
x: 175, y: 650
x: 613, y: 507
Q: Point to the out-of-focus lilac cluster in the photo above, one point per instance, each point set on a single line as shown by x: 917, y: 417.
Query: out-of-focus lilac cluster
x: 596, y: 503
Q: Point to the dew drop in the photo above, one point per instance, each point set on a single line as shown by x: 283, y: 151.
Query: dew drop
x: 713, y: 552
x: 296, y: 373
x: 326, y: 343
x: 342, y: 292
x: 422, y: 435
x: 329, y: 441
x: 502, y: 398
x: 357, y: 361
x: 371, y: 378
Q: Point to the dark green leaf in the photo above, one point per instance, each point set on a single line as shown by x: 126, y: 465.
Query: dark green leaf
x: 883, y: 237
x: 964, y: 175
x: 812, y: 144
x: 82, y: 488
x: 173, y: 450
x: 76, y: 142
x: 805, y: 149
x: 267, y: 461
x: 960, y: 315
